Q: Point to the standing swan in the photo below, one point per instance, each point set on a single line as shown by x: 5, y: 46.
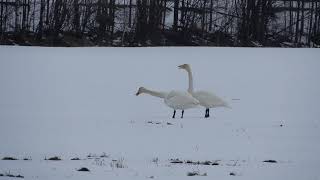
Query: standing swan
x: 174, y: 99
x: 206, y: 99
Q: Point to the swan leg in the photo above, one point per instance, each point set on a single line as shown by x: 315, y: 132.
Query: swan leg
x: 174, y: 114
x: 182, y: 113
x: 207, y: 113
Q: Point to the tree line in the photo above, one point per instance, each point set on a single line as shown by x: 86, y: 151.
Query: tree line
x: 289, y: 23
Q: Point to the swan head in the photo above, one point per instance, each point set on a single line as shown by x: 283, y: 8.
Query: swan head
x: 184, y: 66
x: 140, y: 91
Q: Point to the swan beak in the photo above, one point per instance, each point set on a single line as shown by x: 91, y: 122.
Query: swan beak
x: 180, y: 67
x: 137, y: 93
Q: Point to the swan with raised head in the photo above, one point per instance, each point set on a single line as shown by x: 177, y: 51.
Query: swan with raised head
x: 177, y: 100
x: 206, y: 99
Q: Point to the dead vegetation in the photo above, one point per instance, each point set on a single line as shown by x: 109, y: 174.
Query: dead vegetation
x: 118, y: 163
x: 270, y: 161
x: 55, y: 158
x: 208, y: 163
x: 9, y: 158
x: 8, y: 174
x: 83, y: 169
x: 196, y: 173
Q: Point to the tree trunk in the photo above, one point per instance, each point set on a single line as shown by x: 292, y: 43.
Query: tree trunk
x: 113, y: 10
x: 40, y: 26
x: 310, y: 23
x: 302, y: 20
x: 290, y: 20
x: 316, y: 19
x: 175, y: 15
x: 164, y: 14
x: 16, y: 10
x: 47, y: 14
x: 297, y: 23
x: 182, y: 14
x: 28, y: 15
x: 285, y: 17
x: 211, y: 12
x: 203, y: 17
x: 1, y: 18
x: 130, y: 12
x: 76, y: 16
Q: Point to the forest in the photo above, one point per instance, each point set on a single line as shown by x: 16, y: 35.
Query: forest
x: 131, y: 23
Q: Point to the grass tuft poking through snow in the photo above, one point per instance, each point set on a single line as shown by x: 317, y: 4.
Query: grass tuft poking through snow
x: 119, y: 163
x: 19, y: 176
x: 104, y: 155
x: 92, y: 156
x: 55, y: 158
x: 155, y: 161
x: 9, y: 158
x: 176, y: 161
x: 196, y: 173
x: 270, y: 161
x: 83, y: 169
x: 27, y: 159
x: 8, y: 174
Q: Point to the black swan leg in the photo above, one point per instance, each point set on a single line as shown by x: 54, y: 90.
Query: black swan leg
x: 207, y: 113
x: 182, y: 113
x: 174, y: 114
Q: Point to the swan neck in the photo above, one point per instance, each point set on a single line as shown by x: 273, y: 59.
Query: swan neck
x: 155, y: 93
x: 190, y: 89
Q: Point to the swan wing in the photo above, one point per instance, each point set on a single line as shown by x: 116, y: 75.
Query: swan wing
x: 164, y: 94
x: 180, y: 100
x: 209, y: 99
x: 172, y: 94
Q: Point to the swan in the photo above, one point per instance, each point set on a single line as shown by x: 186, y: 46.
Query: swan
x: 173, y: 99
x: 206, y: 99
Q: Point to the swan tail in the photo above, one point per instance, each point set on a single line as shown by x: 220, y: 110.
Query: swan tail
x: 226, y: 105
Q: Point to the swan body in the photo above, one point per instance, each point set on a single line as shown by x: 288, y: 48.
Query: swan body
x: 177, y: 100
x: 207, y: 99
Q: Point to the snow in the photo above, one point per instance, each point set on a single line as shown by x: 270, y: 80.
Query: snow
x: 72, y: 102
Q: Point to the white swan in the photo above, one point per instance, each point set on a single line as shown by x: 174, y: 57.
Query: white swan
x: 206, y: 99
x: 174, y: 99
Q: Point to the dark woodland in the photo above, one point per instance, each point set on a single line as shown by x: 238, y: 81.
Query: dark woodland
x: 242, y: 23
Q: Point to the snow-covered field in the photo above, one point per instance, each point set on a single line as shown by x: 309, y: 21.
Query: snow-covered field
x: 80, y: 102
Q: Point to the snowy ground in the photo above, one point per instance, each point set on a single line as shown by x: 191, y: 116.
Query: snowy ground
x: 75, y: 102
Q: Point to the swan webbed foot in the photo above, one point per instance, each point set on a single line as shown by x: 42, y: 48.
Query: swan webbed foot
x: 182, y: 114
x: 174, y: 114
